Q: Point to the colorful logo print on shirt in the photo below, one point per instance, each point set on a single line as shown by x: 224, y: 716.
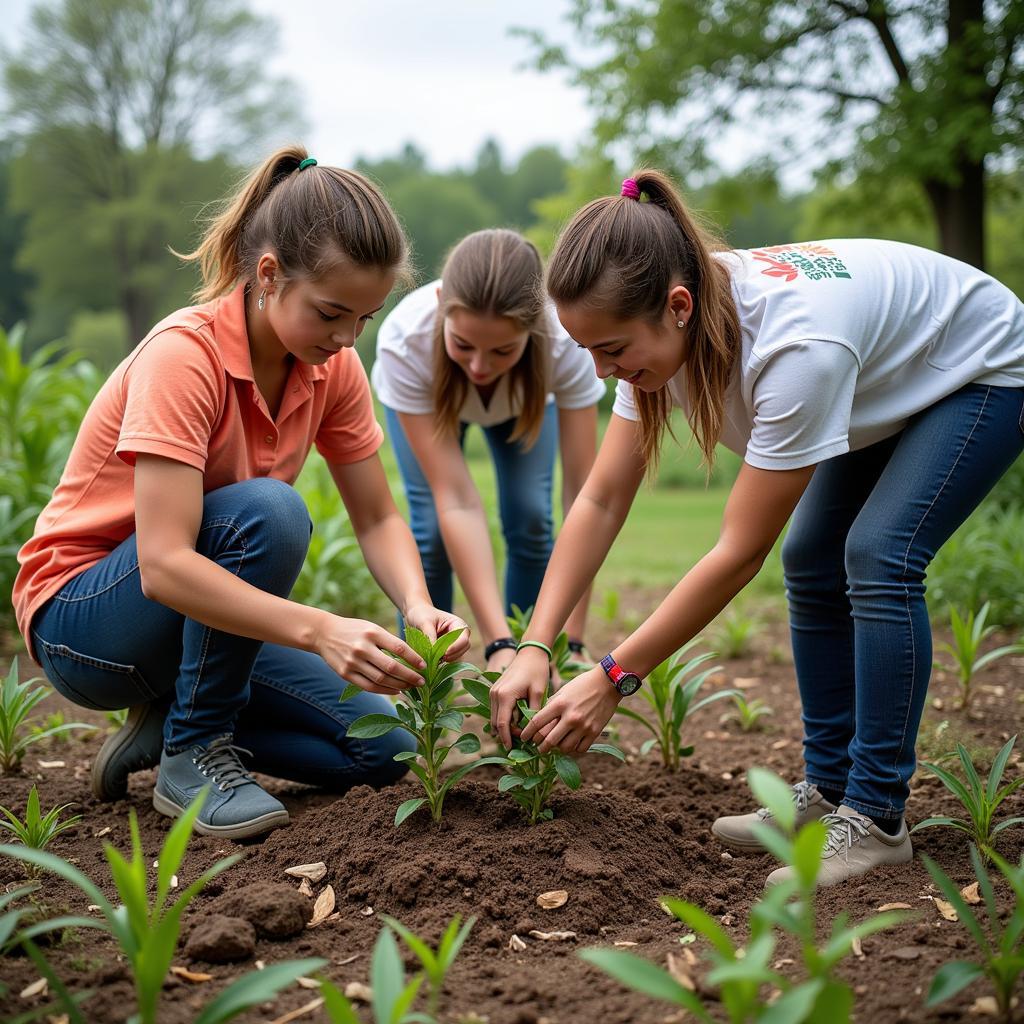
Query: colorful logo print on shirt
x: 787, y: 262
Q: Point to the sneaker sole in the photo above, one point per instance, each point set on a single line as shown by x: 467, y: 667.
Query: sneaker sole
x: 243, y: 830
x: 739, y: 845
x: 113, y: 746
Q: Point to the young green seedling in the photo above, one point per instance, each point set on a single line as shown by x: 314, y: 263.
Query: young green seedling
x: 392, y: 995
x: 734, y: 633
x: 17, y: 701
x: 1000, y: 947
x: 747, y: 714
x: 531, y: 776
x: 563, y: 660
x: 980, y: 801
x: 740, y: 972
x: 38, y: 830
x: 436, y: 964
x: 147, y: 930
x: 430, y: 714
x: 969, y: 634
x: 670, y: 695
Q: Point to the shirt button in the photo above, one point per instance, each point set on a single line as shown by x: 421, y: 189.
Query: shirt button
x: 269, y: 439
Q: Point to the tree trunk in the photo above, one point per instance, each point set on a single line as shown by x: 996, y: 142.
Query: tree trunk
x: 960, y: 213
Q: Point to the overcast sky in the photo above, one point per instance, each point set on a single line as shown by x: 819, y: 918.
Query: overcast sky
x: 446, y: 75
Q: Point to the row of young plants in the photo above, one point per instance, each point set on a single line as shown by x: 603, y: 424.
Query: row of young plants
x: 742, y: 978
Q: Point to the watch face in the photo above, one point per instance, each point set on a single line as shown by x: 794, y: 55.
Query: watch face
x: 628, y: 684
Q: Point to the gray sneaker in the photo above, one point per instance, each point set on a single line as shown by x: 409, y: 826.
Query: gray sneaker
x: 854, y: 845
x: 735, y: 830
x: 135, y: 746
x: 236, y: 807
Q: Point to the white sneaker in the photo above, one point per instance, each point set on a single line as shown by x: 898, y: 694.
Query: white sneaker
x: 735, y: 830
x: 854, y: 845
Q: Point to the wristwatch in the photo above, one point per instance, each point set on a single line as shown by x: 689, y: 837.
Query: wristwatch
x: 626, y: 683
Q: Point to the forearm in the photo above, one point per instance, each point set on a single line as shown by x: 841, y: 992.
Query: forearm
x: 468, y: 544
x: 579, y: 552
x: 694, y: 601
x: 394, y: 562
x: 200, y: 589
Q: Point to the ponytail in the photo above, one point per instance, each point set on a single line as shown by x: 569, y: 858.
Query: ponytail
x: 309, y: 218
x: 624, y: 255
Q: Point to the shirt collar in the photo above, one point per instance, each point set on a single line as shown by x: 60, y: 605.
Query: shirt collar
x: 233, y: 341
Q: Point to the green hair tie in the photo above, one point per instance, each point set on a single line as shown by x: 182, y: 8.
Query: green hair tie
x: 308, y: 162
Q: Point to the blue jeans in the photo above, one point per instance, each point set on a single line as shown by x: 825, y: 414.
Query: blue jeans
x: 104, y: 644
x: 525, y: 477
x: 855, y: 558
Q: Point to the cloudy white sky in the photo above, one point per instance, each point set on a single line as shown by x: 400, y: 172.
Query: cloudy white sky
x: 445, y: 74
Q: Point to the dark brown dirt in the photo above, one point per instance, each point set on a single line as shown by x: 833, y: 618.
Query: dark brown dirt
x: 632, y: 833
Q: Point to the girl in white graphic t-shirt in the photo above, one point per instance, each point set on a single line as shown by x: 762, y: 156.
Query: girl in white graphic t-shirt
x: 876, y: 393
x: 483, y: 346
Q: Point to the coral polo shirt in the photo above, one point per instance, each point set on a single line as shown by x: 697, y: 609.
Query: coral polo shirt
x: 187, y: 392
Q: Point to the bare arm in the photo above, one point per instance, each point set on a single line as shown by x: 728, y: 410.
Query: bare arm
x: 462, y: 520
x: 758, y: 508
x: 168, y: 514
x: 577, y: 435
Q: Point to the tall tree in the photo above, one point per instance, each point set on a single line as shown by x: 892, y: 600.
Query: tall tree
x: 933, y: 89
x: 103, y: 97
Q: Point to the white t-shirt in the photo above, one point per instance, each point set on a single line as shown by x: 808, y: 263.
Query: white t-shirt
x: 844, y: 340
x: 402, y: 373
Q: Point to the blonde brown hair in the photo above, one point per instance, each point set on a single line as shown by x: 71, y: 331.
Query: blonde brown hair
x: 624, y: 255
x: 308, y: 218
x: 495, y: 273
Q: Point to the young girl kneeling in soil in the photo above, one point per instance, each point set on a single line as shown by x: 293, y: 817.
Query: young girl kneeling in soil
x: 483, y: 346
x: 159, y: 573
x: 875, y: 392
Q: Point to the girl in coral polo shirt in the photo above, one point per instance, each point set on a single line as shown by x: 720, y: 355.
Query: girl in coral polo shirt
x: 158, y: 576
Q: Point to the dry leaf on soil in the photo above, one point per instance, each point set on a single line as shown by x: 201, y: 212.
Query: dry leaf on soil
x: 52, y: 764
x: 894, y: 906
x: 306, y: 888
x: 308, y: 982
x: 516, y: 944
x: 314, y: 872
x: 102, y: 832
x: 367, y: 911
x: 300, y: 1012
x: 553, y: 900
x: 858, y: 949
x: 357, y: 990
x: 985, y: 1005
x: 946, y: 909
x: 970, y: 893
x: 678, y: 970
x: 552, y: 936
x: 37, y: 988
x: 194, y: 976
x: 323, y: 908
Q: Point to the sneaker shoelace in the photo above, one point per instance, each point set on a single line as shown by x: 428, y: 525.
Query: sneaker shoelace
x: 220, y: 762
x: 802, y: 793
x: 843, y: 832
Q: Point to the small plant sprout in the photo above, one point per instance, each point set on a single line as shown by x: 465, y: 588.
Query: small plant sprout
x: 734, y: 633
x: 391, y: 995
x: 739, y: 972
x: 38, y: 830
x: 746, y: 714
x: 51, y: 725
x: 117, y: 718
x: 670, y: 690
x: 609, y: 609
x: 1000, y: 946
x: 146, y: 927
x: 430, y: 714
x: 981, y: 801
x: 17, y: 701
x: 436, y: 963
x: 969, y: 633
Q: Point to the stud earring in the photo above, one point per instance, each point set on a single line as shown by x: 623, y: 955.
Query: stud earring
x: 679, y: 323
x: 262, y: 300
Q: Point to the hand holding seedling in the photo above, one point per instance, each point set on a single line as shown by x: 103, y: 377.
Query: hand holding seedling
x: 525, y: 679
x: 433, y: 622
x: 367, y: 655
x: 574, y: 717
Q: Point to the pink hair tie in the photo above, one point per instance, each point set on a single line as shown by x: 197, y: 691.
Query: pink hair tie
x: 630, y: 189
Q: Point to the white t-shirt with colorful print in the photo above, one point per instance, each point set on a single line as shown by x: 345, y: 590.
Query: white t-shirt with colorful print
x: 844, y: 340
x: 403, y: 370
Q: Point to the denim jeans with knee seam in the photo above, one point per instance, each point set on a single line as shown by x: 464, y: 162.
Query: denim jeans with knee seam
x: 525, y: 478
x: 104, y: 644
x: 855, y: 557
